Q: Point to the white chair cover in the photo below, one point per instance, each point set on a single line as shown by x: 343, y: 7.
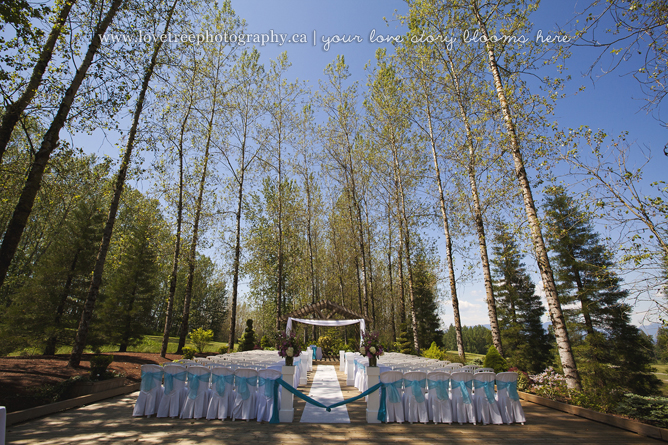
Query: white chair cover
x: 222, y: 394
x: 393, y: 381
x: 197, y: 399
x: 245, y: 381
x: 438, y: 398
x: 415, y: 402
x: 485, y: 402
x: 265, y: 393
x: 508, y: 399
x: 175, y: 390
x: 463, y: 409
x: 151, y: 391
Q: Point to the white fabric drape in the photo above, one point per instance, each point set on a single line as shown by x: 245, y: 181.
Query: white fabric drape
x: 330, y: 323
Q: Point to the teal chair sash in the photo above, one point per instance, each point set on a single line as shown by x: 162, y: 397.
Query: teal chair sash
x: 511, y: 387
x: 242, y: 385
x: 169, y: 380
x: 465, y: 388
x: 441, y: 387
x: 394, y: 396
x: 488, y: 387
x: 149, y: 380
x: 219, y: 382
x: 417, y: 386
x: 268, y: 386
x: 193, y: 383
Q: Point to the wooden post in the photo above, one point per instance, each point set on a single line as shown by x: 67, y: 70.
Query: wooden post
x: 373, y: 399
x: 287, y: 412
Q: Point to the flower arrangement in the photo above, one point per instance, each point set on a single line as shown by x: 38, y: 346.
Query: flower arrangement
x: 371, y: 347
x: 288, y: 346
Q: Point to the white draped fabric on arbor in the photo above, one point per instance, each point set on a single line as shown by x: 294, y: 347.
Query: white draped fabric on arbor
x: 328, y: 323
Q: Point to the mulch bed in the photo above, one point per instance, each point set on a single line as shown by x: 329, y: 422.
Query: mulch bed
x: 23, y: 380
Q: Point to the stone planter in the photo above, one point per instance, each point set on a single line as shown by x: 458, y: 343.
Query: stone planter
x: 84, y: 388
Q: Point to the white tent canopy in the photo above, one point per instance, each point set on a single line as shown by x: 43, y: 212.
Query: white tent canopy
x: 329, y: 323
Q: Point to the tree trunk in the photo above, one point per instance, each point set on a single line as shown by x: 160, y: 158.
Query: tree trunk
x: 51, y: 342
x: 125, y: 340
x: 407, y: 245
x: 96, y: 281
x: 448, y: 239
x: 389, y: 271
x: 177, y: 243
x: 237, y: 255
x: 556, y: 314
x: 584, y: 301
x: 17, y: 223
x: 192, y: 256
x: 14, y: 110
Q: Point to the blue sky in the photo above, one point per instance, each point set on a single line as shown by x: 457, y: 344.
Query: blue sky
x: 611, y: 102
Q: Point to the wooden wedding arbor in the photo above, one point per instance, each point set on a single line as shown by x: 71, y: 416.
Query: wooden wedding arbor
x: 322, y: 313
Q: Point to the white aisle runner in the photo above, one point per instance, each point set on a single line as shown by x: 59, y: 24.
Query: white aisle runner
x: 326, y: 390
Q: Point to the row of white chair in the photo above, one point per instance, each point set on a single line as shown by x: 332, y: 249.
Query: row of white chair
x: 198, y: 391
x: 461, y: 397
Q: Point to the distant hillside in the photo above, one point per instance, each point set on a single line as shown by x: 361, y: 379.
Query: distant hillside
x: 650, y: 329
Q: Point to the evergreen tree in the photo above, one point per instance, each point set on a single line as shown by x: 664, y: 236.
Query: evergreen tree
x: 133, y: 277
x: 611, y: 350
x: 426, y: 310
x: 405, y: 340
x: 527, y: 345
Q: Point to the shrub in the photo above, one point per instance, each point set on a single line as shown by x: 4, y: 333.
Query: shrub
x: 326, y: 344
x: 265, y: 342
x: 405, y: 340
x: 494, y: 360
x: 434, y: 352
x: 550, y: 384
x: 523, y: 382
x: 201, y: 338
x: 222, y: 350
x: 99, y: 365
x: 653, y: 410
x: 189, y: 353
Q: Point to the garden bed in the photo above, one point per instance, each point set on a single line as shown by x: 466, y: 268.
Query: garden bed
x: 27, y: 382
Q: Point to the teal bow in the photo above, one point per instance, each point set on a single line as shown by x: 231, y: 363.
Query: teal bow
x: 313, y: 349
x: 441, y: 387
x: 220, y: 381
x: 511, y: 387
x: 465, y: 388
x: 417, y: 386
x: 488, y: 387
x: 149, y: 380
x: 242, y: 385
x: 193, y: 384
x: 169, y: 380
x: 268, y: 386
x: 394, y: 397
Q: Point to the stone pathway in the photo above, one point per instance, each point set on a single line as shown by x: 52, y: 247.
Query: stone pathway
x: 111, y: 422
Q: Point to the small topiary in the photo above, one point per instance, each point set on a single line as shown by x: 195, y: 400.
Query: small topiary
x: 494, y: 360
x: 99, y: 365
x: 405, y: 341
x: 188, y: 352
x: 247, y: 340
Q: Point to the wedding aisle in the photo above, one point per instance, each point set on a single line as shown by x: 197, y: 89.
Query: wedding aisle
x: 325, y: 389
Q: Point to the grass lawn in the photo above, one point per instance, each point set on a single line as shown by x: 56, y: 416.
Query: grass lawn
x: 470, y: 356
x: 149, y: 344
x: 662, y: 374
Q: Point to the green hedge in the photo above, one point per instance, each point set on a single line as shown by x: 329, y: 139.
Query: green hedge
x: 653, y: 410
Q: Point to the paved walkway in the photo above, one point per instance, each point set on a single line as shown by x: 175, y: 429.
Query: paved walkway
x: 112, y: 422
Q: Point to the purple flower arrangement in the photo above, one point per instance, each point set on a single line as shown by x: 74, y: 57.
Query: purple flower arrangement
x: 370, y: 346
x: 288, y: 345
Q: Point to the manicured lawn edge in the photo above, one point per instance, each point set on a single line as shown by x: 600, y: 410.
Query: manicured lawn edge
x: 619, y: 422
x: 45, y: 410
